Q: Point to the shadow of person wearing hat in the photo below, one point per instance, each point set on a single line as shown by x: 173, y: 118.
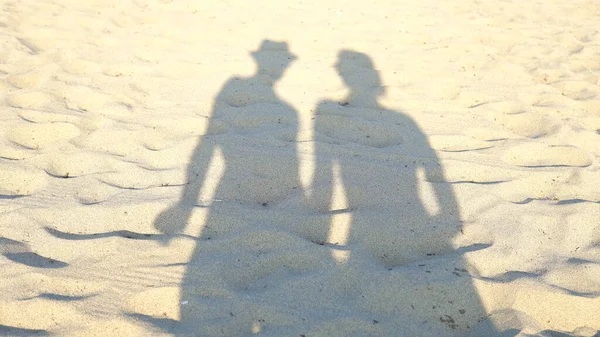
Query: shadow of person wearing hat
x: 244, y: 163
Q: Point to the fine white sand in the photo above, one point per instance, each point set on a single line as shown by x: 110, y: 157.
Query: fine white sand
x: 299, y: 168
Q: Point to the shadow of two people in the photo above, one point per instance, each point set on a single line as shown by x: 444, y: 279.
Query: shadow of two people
x: 358, y: 253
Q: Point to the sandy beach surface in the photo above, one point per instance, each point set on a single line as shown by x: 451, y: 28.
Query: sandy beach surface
x: 299, y: 168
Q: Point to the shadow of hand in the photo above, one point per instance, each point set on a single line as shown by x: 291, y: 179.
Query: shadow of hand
x: 171, y: 221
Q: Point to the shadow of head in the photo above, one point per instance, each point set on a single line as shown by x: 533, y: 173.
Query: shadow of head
x: 358, y: 73
x: 273, y: 58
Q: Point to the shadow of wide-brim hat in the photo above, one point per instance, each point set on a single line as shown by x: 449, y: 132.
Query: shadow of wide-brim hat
x: 268, y: 47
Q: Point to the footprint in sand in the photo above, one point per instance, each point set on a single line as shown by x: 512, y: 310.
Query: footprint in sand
x: 591, y: 107
x: 113, y: 141
x: 35, y: 116
x: 577, y: 90
x: 182, y: 126
x: 5, y: 88
x: 577, y: 234
x: 551, y: 100
x: 94, y: 191
x: 156, y: 302
x: 20, y: 252
x: 81, y: 67
x: 455, y: 171
x: 517, y: 117
x: 48, y: 314
x: 139, y: 178
x: 586, y: 71
x: 37, y: 136
x: 19, y: 181
x: 587, y: 61
x: 529, y: 124
x: 81, y: 98
x: 31, y: 100
x: 117, y: 327
x: 506, y: 107
x: 163, y: 154
x: 457, y: 143
x: 580, y: 277
x: 6, y: 330
x: 26, y: 80
x: 488, y: 134
x: 538, y: 155
x: 558, y: 186
x: 78, y: 164
x: 548, y: 75
x: 590, y: 123
x: 9, y: 150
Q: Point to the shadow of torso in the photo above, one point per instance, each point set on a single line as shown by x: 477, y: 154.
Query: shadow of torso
x: 363, y: 253
x: 265, y: 264
x: 390, y: 226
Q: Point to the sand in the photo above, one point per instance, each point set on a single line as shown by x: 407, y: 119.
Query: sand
x: 299, y: 168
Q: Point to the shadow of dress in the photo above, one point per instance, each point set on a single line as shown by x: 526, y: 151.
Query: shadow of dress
x: 392, y: 221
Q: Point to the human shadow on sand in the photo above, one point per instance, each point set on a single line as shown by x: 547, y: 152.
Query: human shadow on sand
x: 365, y: 250
x: 392, y: 216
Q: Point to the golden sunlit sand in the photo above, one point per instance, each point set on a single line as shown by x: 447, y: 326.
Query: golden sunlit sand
x: 299, y: 168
